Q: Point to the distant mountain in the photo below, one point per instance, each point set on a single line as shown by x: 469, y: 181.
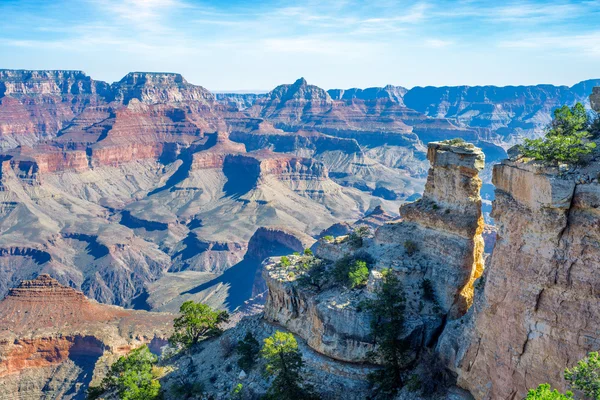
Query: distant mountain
x: 512, y: 112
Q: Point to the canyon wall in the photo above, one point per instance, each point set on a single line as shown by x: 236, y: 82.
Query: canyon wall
x: 54, y: 341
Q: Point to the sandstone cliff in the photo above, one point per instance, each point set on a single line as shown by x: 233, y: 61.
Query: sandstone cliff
x: 54, y: 341
x: 538, y: 309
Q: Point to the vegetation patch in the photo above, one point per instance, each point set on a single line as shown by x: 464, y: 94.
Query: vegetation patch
x: 567, y: 137
x: 196, y: 322
x: 284, y: 361
x: 387, y: 326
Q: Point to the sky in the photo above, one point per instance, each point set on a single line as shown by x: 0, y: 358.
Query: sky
x: 227, y: 45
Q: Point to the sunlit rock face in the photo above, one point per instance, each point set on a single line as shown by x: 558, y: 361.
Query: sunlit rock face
x: 447, y: 223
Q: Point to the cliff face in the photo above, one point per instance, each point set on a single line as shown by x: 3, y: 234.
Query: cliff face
x: 447, y: 223
x: 595, y: 99
x: 54, y: 341
x: 152, y: 88
x: 439, y: 239
x: 538, y: 309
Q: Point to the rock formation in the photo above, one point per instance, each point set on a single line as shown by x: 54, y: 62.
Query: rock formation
x: 526, y: 334
x: 447, y: 223
x: 54, y: 341
x: 439, y: 239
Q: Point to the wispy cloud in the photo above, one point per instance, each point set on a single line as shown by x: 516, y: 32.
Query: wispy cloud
x: 586, y: 43
x: 265, y: 40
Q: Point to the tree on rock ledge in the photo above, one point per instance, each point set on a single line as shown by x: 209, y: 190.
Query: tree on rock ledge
x: 130, y: 378
x: 284, y: 360
x: 566, y: 139
x: 387, y: 327
x: 197, y: 322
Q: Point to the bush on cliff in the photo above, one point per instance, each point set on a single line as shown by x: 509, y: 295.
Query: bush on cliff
x: 585, y: 376
x: 566, y: 139
x: 387, y: 328
x: 284, y: 362
x: 132, y: 377
x: 248, y: 350
x: 197, y: 322
x: 545, y: 392
x: 350, y: 271
x: 355, y: 239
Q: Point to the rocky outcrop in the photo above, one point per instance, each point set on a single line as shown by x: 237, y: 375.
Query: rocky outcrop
x: 23, y: 83
x: 595, y: 99
x: 328, y: 321
x: 446, y: 224
x: 214, y: 156
x: 439, y: 239
x: 54, y: 341
x: 38, y: 104
x: 537, y: 311
x: 153, y: 88
x: 389, y: 92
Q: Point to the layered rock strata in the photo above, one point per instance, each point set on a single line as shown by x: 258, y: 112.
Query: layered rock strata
x: 54, y: 341
x: 447, y: 223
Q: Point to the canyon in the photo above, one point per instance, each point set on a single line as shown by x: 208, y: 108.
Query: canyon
x: 151, y: 191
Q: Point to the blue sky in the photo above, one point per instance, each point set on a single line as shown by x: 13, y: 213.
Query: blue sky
x: 255, y: 45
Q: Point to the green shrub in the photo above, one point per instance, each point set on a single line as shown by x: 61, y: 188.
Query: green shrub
x: 358, y: 275
x: 236, y: 393
x: 248, y: 350
x: 328, y: 238
x: 545, y: 392
x: 350, y: 271
x: 197, y: 322
x: 356, y: 237
x: 410, y: 247
x: 187, y: 389
x: 455, y: 141
x: 586, y: 376
x: 308, y: 252
x: 316, y: 276
x: 284, y: 261
x: 565, y: 139
x: 131, y: 377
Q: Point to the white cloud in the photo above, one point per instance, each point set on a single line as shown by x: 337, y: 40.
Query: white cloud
x: 438, y: 43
